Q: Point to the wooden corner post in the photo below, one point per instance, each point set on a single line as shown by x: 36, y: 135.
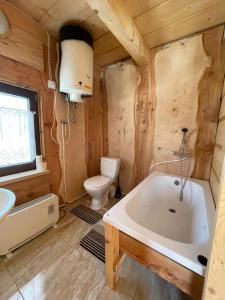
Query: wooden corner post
x: 112, y: 254
x: 214, y: 288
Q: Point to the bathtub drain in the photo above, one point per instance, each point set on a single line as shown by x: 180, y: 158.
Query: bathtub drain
x: 203, y: 260
x: 172, y: 210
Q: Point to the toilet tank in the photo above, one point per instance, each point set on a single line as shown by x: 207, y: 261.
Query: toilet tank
x: 110, y: 167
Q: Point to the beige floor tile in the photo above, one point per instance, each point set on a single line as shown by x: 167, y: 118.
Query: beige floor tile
x: 54, y: 266
x: 8, y: 289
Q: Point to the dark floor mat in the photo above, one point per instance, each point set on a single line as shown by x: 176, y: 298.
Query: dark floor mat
x: 94, y: 242
x: 88, y: 215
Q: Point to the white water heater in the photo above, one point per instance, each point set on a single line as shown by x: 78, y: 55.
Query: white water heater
x: 76, y: 69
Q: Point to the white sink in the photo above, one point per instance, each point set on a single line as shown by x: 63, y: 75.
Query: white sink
x: 7, y: 201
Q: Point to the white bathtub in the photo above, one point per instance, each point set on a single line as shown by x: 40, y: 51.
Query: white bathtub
x: 153, y: 214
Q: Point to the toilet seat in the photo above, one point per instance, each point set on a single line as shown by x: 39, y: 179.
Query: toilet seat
x: 97, y: 182
x: 98, y: 187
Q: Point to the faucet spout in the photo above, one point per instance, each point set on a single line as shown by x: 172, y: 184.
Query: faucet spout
x: 175, y: 153
x: 165, y: 150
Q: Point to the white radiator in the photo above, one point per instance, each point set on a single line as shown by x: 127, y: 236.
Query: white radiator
x: 27, y: 221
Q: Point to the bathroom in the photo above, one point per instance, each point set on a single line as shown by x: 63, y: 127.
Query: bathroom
x: 151, y: 224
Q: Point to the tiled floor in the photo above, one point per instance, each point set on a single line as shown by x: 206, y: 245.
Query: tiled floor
x: 54, y: 266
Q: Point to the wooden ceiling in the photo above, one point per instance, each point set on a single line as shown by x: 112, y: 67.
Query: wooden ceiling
x: 158, y: 21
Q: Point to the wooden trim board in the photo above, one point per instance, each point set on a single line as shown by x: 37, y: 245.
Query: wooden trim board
x: 117, y: 242
x: 215, y: 276
x: 29, y: 189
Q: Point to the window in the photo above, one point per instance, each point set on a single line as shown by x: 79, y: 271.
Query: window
x: 19, y: 129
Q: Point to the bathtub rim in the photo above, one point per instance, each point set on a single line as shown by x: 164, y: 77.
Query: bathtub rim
x: 183, y: 253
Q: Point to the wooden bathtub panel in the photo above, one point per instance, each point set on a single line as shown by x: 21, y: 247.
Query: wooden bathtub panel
x: 183, y: 278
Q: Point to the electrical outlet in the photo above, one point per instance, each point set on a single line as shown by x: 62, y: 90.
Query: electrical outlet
x: 51, y: 84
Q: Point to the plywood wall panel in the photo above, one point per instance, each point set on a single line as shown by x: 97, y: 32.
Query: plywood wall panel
x: 179, y: 69
x: 122, y: 81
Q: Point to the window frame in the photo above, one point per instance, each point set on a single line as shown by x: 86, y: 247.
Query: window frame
x: 32, y: 96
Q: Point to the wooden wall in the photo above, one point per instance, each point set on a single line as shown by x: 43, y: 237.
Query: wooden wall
x: 219, y: 151
x: 179, y: 69
x: 25, y: 41
x: 22, y: 75
x: 75, y: 166
x: 132, y: 112
x: 158, y: 21
x: 31, y: 72
x: 210, y: 91
x: 147, y: 107
x: 24, y: 62
x: 121, y: 83
x: 94, y: 126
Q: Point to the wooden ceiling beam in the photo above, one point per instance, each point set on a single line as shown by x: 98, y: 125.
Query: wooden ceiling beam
x: 114, y: 15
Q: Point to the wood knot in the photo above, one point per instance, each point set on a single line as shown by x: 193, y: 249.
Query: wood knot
x: 211, y: 290
x: 170, y: 274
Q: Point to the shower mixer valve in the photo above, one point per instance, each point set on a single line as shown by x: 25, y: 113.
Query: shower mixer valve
x: 184, y: 151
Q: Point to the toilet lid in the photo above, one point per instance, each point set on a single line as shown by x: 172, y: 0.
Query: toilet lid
x: 96, y: 182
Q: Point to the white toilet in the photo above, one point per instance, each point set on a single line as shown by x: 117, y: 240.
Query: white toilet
x: 98, y: 186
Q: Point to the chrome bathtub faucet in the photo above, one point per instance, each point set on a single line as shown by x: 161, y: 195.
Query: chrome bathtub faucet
x: 182, y: 154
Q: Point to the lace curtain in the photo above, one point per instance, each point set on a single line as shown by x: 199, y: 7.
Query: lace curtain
x: 17, y: 139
